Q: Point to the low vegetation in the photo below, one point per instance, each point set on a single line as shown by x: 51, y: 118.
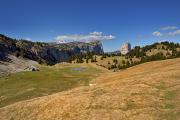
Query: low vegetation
x: 26, y: 85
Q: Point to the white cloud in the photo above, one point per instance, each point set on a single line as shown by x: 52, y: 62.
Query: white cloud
x: 174, y: 33
x: 96, y: 33
x: 157, y: 34
x: 84, y: 38
x: 169, y: 28
x: 28, y: 39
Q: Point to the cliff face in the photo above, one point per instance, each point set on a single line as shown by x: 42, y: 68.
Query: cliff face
x: 45, y: 52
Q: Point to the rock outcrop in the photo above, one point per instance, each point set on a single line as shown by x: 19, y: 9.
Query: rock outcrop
x: 49, y: 53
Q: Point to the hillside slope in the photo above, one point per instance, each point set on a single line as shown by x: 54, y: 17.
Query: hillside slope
x: 150, y: 91
x: 15, y: 65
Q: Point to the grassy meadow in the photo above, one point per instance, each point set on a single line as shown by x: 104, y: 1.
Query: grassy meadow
x: 149, y: 91
x: 28, y: 85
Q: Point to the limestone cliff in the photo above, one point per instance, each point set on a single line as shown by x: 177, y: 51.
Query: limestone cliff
x: 49, y: 53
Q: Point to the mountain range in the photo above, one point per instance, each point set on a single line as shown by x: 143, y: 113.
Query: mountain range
x: 48, y: 53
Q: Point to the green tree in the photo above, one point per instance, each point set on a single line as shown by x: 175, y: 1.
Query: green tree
x: 87, y: 60
x: 123, y: 61
x: 115, y: 61
x: 102, y: 57
x: 95, y: 59
x: 127, y: 63
x: 92, y: 60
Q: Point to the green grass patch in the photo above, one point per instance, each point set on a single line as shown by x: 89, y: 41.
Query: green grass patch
x: 170, y: 115
x: 130, y: 104
x: 170, y: 95
x: 134, y: 94
x: 169, y: 106
x: 161, y: 86
x: 28, y: 85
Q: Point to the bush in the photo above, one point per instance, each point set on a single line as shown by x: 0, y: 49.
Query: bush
x: 87, y: 60
x: 113, y: 66
x: 123, y: 61
x: 120, y: 67
x: 102, y: 58
x: 92, y: 60
x: 115, y: 61
x: 40, y: 61
x: 17, y: 54
x: 127, y: 63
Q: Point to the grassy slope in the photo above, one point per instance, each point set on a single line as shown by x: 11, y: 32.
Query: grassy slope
x: 109, y: 59
x: 27, y: 85
x: 150, y: 91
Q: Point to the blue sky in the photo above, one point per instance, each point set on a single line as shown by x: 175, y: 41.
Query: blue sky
x: 139, y: 22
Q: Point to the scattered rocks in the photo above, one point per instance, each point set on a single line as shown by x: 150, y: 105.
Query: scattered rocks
x: 31, y: 68
x: 17, y: 64
x: 115, y: 70
x: 2, y: 98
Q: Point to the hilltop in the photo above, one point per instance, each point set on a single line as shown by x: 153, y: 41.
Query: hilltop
x: 139, y: 55
x: 147, y: 91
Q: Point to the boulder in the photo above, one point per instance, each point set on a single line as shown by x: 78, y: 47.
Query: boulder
x: 31, y: 68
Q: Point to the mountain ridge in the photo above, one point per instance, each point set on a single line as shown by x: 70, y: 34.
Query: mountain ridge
x: 45, y: 52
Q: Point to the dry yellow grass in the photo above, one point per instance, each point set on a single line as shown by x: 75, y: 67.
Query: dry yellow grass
x: 149, y: 91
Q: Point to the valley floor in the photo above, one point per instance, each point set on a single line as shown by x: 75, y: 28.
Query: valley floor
x: 26, y: 85
x: 150, y: 91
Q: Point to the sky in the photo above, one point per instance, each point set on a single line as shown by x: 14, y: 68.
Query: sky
x: 114, y: 22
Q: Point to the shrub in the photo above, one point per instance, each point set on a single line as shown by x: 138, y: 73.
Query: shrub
x: 102, y: 58
x: 115, y: 61
x: 123, y: 61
